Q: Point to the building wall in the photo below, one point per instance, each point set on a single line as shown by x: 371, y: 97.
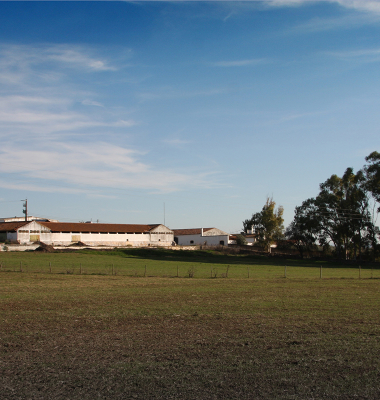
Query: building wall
x: 33, y: 232
x: 213, y: 232
x: 100, y: 239
x: 161, y: 234
x: 12, y: 237
x: 197, y: 240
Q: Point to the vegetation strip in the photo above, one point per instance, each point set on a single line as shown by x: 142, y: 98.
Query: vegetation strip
x: 182, y: 264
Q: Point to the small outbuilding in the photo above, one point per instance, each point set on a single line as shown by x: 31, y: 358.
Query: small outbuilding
x: 249, y: 238
x: 200, y: 236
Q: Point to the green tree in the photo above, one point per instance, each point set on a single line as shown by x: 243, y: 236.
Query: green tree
x: 267, y: 224
x: 372, y: 171
x: 339, y: 214
x: 241, y: 240
x: 301, y: 231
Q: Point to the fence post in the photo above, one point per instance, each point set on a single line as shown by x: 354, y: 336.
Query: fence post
x: 177, y: 271
x: 248, y: 271
x: 320, y: 271
x: 285, y: 272
x: 360, y: 270
x: 228, y: 267
x: 145, y: 271
x: 50, y: 266
x: 20, y: 266
x: 112, y: 269
x: 80, y: 269
x: 211, y: 273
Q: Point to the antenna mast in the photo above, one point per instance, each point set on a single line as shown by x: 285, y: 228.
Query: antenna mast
x: 25, y: 209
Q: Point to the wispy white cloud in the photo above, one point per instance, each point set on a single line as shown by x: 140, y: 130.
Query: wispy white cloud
x: 177, y: 142
x: 39, y: 93
x: 76, y: 57
x: 50, y: 142
x: 96, y: 165
x: 229, y: 16
x: 369, y: 55
x: 88, y: 102
x: 362, y: 5
x: 42, y: 188
x: 25, y: 115
x: 24, y: 58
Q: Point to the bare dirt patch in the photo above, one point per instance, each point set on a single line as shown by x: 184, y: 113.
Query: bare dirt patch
x: 193, y: 358
x: 68, y: 337
x: 45, y: 248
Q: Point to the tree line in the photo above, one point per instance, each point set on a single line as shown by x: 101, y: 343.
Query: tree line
x: 343, y: 215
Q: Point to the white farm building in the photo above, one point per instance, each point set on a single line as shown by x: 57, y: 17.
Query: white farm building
x: 91, y: 234
x: 200, y: 236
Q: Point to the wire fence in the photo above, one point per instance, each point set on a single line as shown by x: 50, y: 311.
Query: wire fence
x: 166, y: 269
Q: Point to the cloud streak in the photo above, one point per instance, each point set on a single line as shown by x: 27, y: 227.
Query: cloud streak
x: 42, y: 116
x: 361, y: 54
x: 363, y: 5
x: 98, y: 165
x: 50, y: 127
x: 25, y: 58
x: 372, y: 6
x: 77, y: 58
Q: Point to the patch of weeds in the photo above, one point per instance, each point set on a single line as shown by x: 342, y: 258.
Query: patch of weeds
x: 214, y: 273
x: 191, y: 272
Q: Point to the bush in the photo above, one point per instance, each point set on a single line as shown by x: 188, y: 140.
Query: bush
x: 241, y: 240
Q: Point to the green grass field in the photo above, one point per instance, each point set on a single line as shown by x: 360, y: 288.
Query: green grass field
x: 169, y: 263
x: 69, y: 336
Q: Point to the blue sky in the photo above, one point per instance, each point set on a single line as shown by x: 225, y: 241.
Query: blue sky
x: 117, y: 111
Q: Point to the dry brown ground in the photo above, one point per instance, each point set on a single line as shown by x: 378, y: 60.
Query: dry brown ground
x: 50, y: 352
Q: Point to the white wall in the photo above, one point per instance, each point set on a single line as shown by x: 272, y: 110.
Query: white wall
x: 211, y: 237
x: 105, y: 239
x: 188, y: 240
x: 159, y: 236
x: 32, y: 232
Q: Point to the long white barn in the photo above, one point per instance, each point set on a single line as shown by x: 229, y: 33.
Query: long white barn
x: 91, y: 234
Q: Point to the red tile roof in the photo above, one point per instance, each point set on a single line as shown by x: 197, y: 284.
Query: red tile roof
x: 195, y: 231
x: 11, y: 226
x: 89, y: 227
